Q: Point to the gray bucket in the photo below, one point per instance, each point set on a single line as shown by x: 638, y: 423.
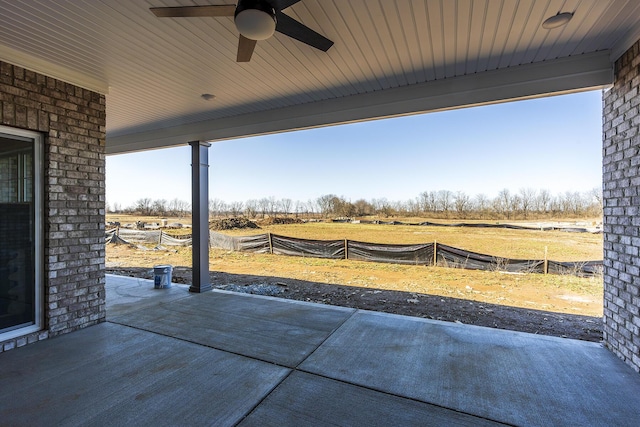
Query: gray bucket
x: 162, y: 276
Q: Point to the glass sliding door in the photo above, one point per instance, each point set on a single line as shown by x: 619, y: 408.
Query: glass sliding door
x: 20, y: 232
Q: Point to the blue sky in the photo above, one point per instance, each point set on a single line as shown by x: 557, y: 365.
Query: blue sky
x: 551, y: 143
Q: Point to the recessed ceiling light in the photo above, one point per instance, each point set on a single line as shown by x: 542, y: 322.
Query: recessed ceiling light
x: 207, y: 96
x: 557, y: 21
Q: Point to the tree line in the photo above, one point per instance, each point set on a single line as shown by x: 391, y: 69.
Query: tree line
x: 525, y: 204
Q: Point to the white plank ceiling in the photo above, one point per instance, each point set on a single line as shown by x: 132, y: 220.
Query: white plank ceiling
x: 154, y: 70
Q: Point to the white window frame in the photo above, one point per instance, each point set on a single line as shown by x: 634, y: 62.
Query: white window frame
x: 38, y: 184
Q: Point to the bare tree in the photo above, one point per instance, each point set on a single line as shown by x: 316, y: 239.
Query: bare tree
x: 273, y: 206
x: 556, y: 205
x: 216, y: 207
x: 346, y: 208
x: 505, y: 205
x: 462, y: 202
x: 324, y: 203
x: 383, y: 207
x: 527, y: 200
x: 543, y: 201
x: 313, y: 207
x: 143, y: 206
x: 575, y: 204
x: 299, y: 208
x: 596, y: 196
x: 159, y: 207
x: 264, y: 204
x: 482, y: 204
x: 285, y: 205
x: 400, y: 207
x: 363, y: 208
x: 427, y: 200
x: 444, y: 201
x: 251, y: 208
x: 502, y: 203
x: 412, y: 207
x: 515, y: 205
x: 565, y: 202
x: 235, y: 208
x: 341, y: 207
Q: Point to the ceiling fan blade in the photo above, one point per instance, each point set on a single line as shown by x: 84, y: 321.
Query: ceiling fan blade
x: 245, y: 49
x: 194, y: 11
x: 283, y: 4
x: 294, y: 29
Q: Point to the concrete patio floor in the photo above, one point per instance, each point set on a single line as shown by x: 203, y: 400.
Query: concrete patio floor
x: 169, y: 357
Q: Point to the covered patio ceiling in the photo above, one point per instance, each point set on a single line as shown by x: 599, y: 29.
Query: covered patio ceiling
x: 388, y: 58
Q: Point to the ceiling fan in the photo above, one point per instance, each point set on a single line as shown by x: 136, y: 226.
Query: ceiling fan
x: 255, y: 20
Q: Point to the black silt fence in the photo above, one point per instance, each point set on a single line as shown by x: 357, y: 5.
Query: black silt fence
x: 282, y: 245
x: 459, y: 258
x: 421, y: 254
x: 413, y: 254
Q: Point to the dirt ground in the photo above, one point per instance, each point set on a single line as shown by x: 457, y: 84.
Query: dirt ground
x: 557, y: 305
x: 437, y: 307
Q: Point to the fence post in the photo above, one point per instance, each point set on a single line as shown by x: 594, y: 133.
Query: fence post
x: 435, y: 253
x: 270, y: 244
x: 346, y: 249
x: 118, y: 230
x: 545, y: 267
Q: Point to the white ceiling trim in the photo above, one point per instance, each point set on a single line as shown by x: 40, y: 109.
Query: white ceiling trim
x: 629, y: 40
x: 571, y: 74
x: 50, y: 69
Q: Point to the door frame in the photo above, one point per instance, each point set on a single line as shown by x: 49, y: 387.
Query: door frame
x: 38, y: 190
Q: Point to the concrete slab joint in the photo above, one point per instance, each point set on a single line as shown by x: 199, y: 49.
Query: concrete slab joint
x: 228, y: 359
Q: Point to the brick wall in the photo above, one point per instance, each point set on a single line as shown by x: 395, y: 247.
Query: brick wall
x: 72, y: 120
x: 621, y: 180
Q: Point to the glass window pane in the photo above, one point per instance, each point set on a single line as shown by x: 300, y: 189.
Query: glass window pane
x: 17, y: 230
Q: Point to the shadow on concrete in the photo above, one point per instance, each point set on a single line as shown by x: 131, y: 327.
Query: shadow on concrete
x: 587, y: 328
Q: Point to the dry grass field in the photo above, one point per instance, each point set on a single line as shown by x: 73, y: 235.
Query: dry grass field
x: 552, y: 293
x: 506, y: 243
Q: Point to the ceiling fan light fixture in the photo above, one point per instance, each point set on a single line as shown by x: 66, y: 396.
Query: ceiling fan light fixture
x: 255, y: 19
x: 557, y: 20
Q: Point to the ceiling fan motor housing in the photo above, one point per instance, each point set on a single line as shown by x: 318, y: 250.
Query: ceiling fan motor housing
x: 255, y: 19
